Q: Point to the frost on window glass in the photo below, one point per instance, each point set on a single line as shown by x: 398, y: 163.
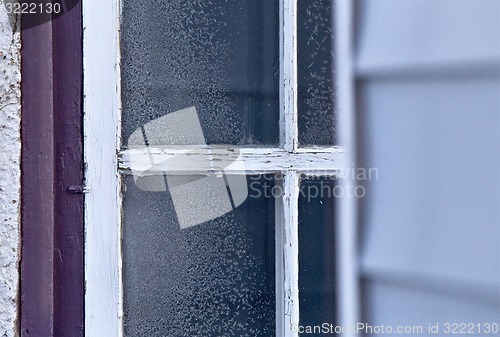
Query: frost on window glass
x: 220, y: 57
x: 315, y: 73
x: 317, y: 279
x: 187, y: 273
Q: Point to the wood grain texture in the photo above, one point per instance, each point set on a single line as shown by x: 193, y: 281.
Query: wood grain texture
x: 149, y: 161
x: 288, y: 79
x: 52, y: 219
x: 37, y: 183
x: 68, y: 144
x: 103, y: 311
x: 291, y: 186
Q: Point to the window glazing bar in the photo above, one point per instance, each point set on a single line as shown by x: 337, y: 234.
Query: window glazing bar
x: 147, y: 161
x: 287, y: 326
x: 288, y: 76
x: 290, y: 241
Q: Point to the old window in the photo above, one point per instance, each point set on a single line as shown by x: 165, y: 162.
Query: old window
x: 207, y: 127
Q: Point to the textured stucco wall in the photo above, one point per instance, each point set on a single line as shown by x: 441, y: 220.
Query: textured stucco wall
x: 10, y: 153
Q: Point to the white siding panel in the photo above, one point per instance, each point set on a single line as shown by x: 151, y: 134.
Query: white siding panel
x: 395, y: 34
x: 400, y: 306
x: 435, y: 208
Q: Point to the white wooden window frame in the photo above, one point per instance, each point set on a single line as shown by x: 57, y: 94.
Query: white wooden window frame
x: 104, y: 161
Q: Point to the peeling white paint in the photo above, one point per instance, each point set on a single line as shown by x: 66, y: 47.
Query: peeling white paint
x: 103, y: 288
x: 147, y: 161
x: 10, y: 171
x: 288, y: 82
x: 290, y: 238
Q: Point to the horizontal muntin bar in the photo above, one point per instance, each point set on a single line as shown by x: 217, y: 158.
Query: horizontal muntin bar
x: 148, y: 161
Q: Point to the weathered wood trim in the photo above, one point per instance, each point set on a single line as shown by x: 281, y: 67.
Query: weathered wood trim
x: 288, y: 75
x: 103, y: 309
x: 68, y: 124
x: 52, y: 282
x: 37, y: 183
x: 279, y: 216
x: 290, y: 163
x: 215, y: 160
x: 290, y: 239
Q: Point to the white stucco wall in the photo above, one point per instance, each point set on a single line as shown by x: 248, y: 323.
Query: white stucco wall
x: 10, y: 155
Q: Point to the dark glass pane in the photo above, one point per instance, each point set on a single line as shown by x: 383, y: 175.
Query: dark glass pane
x: 315, y: 73
x: 219, y: 57
x: 317, y: 252
x: 198, y: 256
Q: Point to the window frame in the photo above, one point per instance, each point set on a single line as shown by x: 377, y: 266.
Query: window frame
x: 105, y: 161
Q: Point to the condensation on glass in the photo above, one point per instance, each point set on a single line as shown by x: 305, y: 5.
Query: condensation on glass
x: 317, y: 120
x: 191, y: 273
x: 317, y: 281
x: 222, y: 58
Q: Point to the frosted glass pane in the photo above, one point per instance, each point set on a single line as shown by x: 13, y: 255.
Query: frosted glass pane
x: 317, y: 252
x: 196, y: 273
x: 219, y: 57
x: 315, y: 73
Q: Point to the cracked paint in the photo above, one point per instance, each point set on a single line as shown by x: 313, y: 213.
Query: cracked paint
x: 10, y: 174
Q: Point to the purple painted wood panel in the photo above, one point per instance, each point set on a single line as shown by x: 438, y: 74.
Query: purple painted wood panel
x: 52, y: 280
